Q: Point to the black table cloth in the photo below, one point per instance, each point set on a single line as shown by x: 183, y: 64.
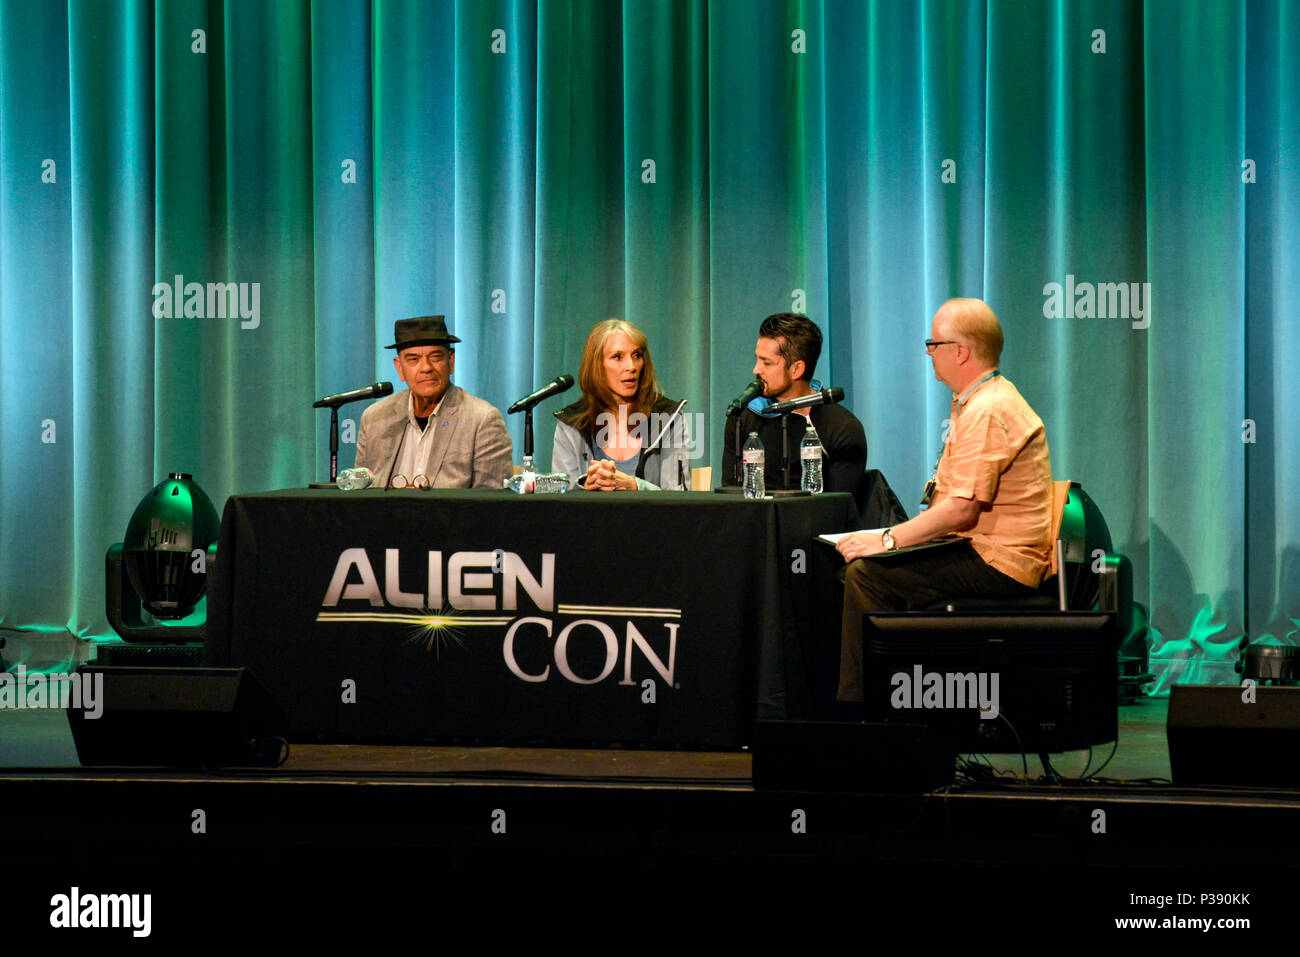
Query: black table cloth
x: 670, y: 619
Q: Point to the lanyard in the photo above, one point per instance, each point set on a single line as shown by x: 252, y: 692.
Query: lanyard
x: 978, y: 382
x: 960, y: 402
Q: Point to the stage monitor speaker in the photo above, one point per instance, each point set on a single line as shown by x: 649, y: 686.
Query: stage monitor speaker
x: 178, y: 717
x: 1217, y: 738
x: 849, y: 756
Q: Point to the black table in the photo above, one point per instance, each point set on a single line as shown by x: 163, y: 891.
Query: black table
x: 671, y: 619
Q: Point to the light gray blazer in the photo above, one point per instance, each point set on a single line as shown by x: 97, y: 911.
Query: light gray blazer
x: 476, y: 452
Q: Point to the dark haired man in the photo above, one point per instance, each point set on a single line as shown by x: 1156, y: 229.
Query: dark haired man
x: 788, y: 348
x: 432, y: 434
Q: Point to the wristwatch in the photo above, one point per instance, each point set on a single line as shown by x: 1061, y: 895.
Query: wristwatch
x: 887, y: 539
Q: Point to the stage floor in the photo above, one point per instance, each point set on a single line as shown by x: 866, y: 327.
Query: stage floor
x: 358, y: 816
x: 706, y: 797
x: 42, y: 740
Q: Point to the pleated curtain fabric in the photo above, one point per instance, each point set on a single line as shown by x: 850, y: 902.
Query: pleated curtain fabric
x: 211, y: 213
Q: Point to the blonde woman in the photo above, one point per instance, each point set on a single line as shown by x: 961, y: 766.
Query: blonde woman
x: 623, y: 434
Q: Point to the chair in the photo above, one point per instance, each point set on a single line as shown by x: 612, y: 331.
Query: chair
x: 878, y: 506
x: 1092, y: 576
x: 1083, y: 575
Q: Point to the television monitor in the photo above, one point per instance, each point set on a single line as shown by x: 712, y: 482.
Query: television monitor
x: 1048, y: 680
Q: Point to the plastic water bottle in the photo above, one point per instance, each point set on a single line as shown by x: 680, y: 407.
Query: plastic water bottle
x: 752, y: 457
x: 810, y: 454
x: 554, y: 482
x: 524, y: 482
x: 349, y: 480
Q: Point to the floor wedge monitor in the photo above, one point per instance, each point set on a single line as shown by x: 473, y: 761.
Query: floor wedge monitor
x: 176, y: 717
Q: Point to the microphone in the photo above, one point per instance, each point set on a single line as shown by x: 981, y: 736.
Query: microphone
x: 812, y: 400
x: 561, y: 384
x: 375, y: 391
x: 752, y: 392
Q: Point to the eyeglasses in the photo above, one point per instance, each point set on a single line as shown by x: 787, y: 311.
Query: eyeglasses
x: 401, y: 481
x: 932, y: 344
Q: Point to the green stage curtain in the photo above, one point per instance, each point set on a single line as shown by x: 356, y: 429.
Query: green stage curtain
x: 1119, y: 180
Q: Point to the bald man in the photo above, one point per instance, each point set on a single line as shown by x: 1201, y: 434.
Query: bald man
x: 993, y: 486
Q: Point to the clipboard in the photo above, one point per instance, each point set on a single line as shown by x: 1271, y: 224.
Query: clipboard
x: 950, y: 540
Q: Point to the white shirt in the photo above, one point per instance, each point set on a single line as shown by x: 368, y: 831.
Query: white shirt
x: 417, y: 444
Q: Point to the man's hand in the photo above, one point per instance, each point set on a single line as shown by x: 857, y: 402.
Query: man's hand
x: 859, y: 545
x: 944, y: 516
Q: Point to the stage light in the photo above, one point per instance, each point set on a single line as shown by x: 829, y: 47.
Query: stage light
x: 1269, y: 664
x: 165, y: 558
x: 169, y: 525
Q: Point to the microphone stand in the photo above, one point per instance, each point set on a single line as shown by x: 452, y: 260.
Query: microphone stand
x: 740, y: 465
x: 334, y: 451
x: 528, y: 433
x: 785, y: 451
x: 536, y: 484
x: 526, y: 405
x: 334, y: 443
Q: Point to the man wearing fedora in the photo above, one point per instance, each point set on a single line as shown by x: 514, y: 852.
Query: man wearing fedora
x: 432, y: 434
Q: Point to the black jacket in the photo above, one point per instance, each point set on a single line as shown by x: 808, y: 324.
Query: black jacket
x: 841, y: 435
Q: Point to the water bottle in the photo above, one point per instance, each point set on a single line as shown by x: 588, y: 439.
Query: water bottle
x: 525, y: 481
x: 554, y: 482
x: 810, y: 453
x: 349, y: 480
x: 752, y: 457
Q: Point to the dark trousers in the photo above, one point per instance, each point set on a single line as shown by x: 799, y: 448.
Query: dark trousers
x: 908, y: 583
